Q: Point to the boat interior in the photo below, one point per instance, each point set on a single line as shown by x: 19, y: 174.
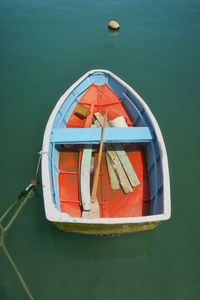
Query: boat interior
x: 101, y: 93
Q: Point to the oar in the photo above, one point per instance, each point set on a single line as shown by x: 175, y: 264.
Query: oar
x: 95, y: 212
x: 97, y: 171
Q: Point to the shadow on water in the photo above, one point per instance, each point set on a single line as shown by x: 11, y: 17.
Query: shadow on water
x: 90, y: 247
x: 112, y: 32
x: 129, y: 246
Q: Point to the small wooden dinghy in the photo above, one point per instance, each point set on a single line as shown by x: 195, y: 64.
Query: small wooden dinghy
x: 133, y: 186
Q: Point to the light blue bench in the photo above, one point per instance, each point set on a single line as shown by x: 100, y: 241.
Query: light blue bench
x: 93, y: 135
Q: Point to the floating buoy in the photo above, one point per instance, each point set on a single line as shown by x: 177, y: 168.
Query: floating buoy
x: 113, y: 25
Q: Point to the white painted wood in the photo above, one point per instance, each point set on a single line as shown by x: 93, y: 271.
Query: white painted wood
x: 99, y: 118
x: 52, y: 214
x: 85, y: 177
x: 95, y: 210
x: 118, y: 122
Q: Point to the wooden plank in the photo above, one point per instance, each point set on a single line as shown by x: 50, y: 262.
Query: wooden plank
x: 100, y: 119
x: 123, y: 179
x: 95, y: 210
x: 114, y: 182
x: 116, y: 164
x: 123, y: 157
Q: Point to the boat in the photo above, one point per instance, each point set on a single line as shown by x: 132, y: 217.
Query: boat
x: 70, y: 153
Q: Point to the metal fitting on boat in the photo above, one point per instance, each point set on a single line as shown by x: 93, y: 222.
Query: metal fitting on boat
x: 34, y: 182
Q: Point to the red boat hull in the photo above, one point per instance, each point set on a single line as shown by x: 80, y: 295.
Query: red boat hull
x: 113, y: 204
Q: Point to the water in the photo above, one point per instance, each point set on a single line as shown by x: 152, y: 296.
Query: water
x: 44, y: 47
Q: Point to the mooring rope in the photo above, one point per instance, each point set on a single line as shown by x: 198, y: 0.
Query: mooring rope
x: 5, y: 250
x: 38, y: 165
x: 27, y: 197
x: 8, y: 210
x: 22, y: 199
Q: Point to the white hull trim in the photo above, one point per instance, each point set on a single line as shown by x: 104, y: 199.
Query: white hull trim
x: 53, y: 215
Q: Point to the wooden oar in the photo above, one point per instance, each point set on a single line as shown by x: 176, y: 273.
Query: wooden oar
x: 95, y: 212
x: 97, y: 171
x: 132, y: 179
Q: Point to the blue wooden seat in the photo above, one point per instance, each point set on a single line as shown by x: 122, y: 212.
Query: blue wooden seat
x: 93, y: 135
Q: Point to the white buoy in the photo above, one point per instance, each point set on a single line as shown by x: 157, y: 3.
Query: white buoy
x: 114, y: 25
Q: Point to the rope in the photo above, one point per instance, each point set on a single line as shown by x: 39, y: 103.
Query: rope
x: 38, y: 165
x: 22, y: 199
x: 13, y: 264
x: 28, y: 196
x: 8, y: 210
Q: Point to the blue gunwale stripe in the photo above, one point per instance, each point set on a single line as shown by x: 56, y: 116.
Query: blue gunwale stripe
x: 153, y: 185
x: 74, y: 101
x: 139, y: 112
x: 64, y: 116
x: 55, y: 179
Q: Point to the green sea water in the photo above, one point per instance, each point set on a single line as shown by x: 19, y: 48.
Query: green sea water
x: 47, y: 45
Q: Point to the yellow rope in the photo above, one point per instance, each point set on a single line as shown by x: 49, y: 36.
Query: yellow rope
x: 22, y: 200
x: 27, y: 197
x: 13, y: 264
x: 8, y: 210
